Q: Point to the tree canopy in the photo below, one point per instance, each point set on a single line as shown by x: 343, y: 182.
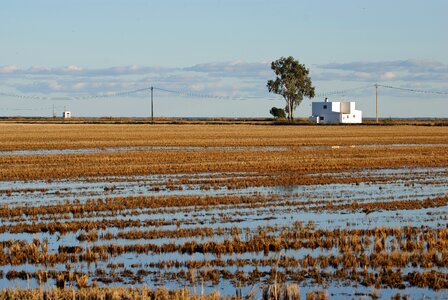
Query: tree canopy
x: 292, y: 82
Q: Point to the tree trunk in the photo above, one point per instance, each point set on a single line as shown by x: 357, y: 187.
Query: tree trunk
x: 290, y: 115
x: 292, y: 111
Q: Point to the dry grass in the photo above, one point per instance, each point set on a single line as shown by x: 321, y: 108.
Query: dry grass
x: 420, y: 247
x: 283, y: 166
x: 63, y: 136
x: 104, y: 293
x: 372, y: 257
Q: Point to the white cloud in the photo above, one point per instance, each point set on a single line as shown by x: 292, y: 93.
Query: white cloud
x: 363, y: 76
x: 79, y: 86
x: 218, y: 78
x: 39, y: 70
x: 399, y: 70
x: 232, y: 69
x: 73, y: 68
x: 197, y: 87
x: 8, y: 69
x: 388, y: 76
x: 54, y: 85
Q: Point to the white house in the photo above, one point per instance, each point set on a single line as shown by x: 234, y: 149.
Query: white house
x: 335, y: 112
x: 66, y: 115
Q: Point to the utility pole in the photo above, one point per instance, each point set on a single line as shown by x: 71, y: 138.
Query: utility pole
x: 152, y: 104
x: 376, y: 94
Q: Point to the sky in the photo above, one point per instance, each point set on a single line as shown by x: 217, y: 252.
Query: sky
x: 211, y: 58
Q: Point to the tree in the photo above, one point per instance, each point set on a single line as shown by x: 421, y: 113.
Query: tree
x: 278, y: 113
x: 292, y: 82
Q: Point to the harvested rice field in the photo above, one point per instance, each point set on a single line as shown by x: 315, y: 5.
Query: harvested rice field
x: 210, y: 211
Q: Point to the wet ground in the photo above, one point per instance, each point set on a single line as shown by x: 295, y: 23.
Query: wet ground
x: 197, y: 148
x: 271, y: 210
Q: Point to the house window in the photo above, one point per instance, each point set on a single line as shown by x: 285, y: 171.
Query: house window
x: 321, y: 118
x: 325, y: 107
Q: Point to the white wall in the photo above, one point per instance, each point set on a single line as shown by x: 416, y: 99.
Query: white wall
x: 335, y: 112
x: 335, y: 106
x: 354, y: 117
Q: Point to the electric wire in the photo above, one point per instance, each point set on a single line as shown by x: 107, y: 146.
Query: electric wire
x: 207, y: 96
x: 414, y: 90
x: 216, y: 97
x: 342, y: 92
x: 31, y: 109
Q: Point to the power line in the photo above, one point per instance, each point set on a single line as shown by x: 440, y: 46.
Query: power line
x: 215, y: 97
x: 113, y: 94
x: 342, y: 92
x: 198, y: 95
x: 69, y: 98
x: 191, y: 94
x: 30, y: 109
x: 414, y: 90
x: 34, y: 97
x: 206, y: 96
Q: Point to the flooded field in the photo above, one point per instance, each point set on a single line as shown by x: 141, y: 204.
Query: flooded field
x: 341, y: 212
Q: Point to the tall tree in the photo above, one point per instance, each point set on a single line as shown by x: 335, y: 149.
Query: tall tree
x: 292, y: 82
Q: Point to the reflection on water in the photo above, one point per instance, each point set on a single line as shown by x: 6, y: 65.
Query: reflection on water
x: 290, y: 204
x: 136, y: 148
x: 200, y: 148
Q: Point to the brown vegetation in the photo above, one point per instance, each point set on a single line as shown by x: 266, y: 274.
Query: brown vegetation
x: 207, y: 225
x: 105, y: 293
x: 277, y: 167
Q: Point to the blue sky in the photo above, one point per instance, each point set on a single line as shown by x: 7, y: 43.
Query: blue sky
x: 63, y: 53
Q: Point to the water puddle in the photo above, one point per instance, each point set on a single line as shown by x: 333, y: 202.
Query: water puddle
x: 278, y: 208
x: 199, y: 148
x: 135, y: 149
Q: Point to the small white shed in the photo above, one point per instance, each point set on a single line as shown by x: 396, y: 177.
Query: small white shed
x: 335, y: 112
x: 66, y: 115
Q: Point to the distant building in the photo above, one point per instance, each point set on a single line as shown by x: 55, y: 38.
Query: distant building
x: 335, y: 112
x: 66, y: 115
